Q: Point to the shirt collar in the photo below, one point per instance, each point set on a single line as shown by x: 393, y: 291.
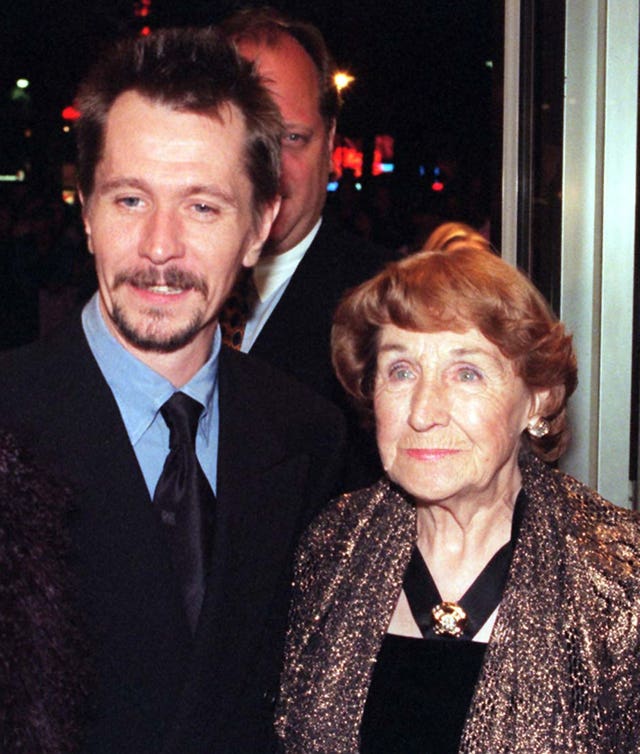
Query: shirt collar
x: 139, y: 391
x: 271, y: 271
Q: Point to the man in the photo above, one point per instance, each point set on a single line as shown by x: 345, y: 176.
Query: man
x: 178, y: 158
x: 308, y: 262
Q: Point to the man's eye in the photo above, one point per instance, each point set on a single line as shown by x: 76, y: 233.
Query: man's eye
x: 295, y: 139
x: 129, y: 201
x: 203, y: 209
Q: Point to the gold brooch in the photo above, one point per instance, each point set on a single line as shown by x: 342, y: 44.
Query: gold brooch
x: 448, y: 619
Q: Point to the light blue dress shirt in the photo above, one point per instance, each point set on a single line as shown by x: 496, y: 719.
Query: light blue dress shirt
x: 140, y: 393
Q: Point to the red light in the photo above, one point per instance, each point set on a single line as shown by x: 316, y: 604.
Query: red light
x: 70, y: 113
x: 437, y: 185
x: 347, y: 156
x: 145, y: 31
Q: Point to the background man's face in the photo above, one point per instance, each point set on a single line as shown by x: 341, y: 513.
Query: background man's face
x: 292, y: 79
x: 170, y: 222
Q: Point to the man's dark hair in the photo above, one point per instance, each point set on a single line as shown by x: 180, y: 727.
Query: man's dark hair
x: 267, y: 25
x: 191, y: 70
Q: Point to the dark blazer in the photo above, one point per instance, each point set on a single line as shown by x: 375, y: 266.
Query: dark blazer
x: 296, y: 337
x: 159, y: 689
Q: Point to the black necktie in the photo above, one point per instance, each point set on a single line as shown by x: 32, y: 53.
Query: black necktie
x: 185, y: 502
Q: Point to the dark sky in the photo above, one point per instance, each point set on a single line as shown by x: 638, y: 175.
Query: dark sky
x: 419, y: 64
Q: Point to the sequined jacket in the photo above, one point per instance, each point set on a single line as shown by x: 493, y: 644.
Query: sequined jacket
x: 562, y: 668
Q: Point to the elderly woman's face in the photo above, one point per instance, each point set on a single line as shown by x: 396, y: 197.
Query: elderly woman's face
x: 450, y: 412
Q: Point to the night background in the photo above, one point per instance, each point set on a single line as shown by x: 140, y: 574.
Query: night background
x: 427, y: 73
x: 420, y: 67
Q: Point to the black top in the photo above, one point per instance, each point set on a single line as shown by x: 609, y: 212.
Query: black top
x: 478, y: 602
x: 419, y: 696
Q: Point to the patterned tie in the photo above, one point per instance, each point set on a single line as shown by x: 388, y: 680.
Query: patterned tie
x: 186, y: 503
x: 237, y: 309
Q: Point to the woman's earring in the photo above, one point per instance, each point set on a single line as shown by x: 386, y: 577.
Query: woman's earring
x: 539, y: 428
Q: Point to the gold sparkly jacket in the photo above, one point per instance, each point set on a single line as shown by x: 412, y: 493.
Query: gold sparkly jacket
x: 562, y: 669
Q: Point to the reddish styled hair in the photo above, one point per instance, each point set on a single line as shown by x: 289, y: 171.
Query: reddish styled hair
x: 464, y: 287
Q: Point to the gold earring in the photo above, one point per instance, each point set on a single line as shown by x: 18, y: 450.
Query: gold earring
x: 539, y: 428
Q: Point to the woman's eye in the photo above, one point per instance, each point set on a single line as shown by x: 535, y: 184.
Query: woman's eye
x: 401, y: 373
x: 467, y: 374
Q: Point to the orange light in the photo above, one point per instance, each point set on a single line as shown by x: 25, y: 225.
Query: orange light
x: 342, y: 79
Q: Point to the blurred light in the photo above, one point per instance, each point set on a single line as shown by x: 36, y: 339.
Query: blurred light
x: 22, y: 83
x: 488, y: 63
x: 332, y: 186
x: 142, y: 9
x: 66, y: 129
x: 437, y: 184
x: 145, y: 31
x: 382, y: 154
x: 70, y: 113
x: 69, y: 196
x: 347, y: 157
x: 20, y: 95
x: 16, y: 177
x: 28, y: 133
x: 358, y: 186
x: 342, y: 79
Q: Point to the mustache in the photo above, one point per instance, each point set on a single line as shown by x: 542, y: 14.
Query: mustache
x: 173, y: 277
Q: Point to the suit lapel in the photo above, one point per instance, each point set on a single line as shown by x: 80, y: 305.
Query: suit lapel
x: 304, y: 302
x: 127, y: 586
x: 259, y: 482
x: 259, y: 494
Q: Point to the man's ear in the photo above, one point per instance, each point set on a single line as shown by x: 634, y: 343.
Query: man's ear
x: 261, y: 232
x: 85, y: 220
x: 331, y: 137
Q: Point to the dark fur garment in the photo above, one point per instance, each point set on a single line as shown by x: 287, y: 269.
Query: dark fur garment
x: 42, y: 652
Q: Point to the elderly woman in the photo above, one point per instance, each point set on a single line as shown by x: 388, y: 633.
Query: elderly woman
x: 474, y: 599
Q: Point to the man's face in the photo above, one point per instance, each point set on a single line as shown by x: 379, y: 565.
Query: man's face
x: 292, y: 79
x: 170, y: 223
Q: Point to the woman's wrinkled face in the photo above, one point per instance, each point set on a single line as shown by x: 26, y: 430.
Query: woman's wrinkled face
x: 450, y: 411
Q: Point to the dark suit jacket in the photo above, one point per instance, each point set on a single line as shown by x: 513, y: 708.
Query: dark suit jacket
x: 158, y: 689
x: 296, y: 337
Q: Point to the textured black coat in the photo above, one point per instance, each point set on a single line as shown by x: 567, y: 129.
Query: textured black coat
x: 42, y: 652
x: 562, y: 668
